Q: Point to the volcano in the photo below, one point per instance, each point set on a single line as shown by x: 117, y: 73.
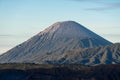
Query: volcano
x: 51, y: 46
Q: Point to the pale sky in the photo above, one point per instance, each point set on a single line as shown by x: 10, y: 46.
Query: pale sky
x: 22, y: 19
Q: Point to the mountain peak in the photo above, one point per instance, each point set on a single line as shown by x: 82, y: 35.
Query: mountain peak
x: 67, y: 22
x: 65, y: 29
x: 72, y: 30
x: 69, y: 29
x: 64, y: 24
x: 57, y: 25
x: 49, y: 45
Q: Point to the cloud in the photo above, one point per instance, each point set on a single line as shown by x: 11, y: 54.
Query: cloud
x: 83, y: 0
x: 112, y: 35
x: 116, y: 5
x: 107, y: 6
x: 93, y: 1
x: 97, y: 9
x: 6, y: 35
x: 14, y: 36
x: 88, y: 1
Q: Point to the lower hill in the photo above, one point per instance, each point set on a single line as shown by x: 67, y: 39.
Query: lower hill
x: 109, y: 54
x: 59, y: 72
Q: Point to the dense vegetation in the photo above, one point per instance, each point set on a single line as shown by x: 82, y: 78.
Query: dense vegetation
x: 58, y: 72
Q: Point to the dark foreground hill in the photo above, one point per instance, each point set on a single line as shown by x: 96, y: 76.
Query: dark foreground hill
x: 58, y: 72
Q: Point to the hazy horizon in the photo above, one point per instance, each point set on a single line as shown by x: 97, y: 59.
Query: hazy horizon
x: 22, y: 19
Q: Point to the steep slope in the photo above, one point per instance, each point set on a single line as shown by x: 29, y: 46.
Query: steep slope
x: 52, y: 42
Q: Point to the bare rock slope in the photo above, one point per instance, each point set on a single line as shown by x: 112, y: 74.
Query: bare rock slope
x: 52, y: 46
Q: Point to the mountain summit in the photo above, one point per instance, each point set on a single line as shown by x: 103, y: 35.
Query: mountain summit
x: 68, y: 29
x: 48, y: 45
x: 71, y: 29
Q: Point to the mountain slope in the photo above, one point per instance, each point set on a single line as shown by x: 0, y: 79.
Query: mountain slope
x: 109, y: 54
x: 54, y: 41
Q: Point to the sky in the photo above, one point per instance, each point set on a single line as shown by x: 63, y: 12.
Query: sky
x: 22, y: 19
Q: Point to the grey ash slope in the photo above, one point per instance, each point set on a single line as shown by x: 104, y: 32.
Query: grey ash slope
x: 53, y: 42
x: 109, y: 54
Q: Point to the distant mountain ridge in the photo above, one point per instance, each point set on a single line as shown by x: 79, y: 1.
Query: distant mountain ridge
x: 52, y: 44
